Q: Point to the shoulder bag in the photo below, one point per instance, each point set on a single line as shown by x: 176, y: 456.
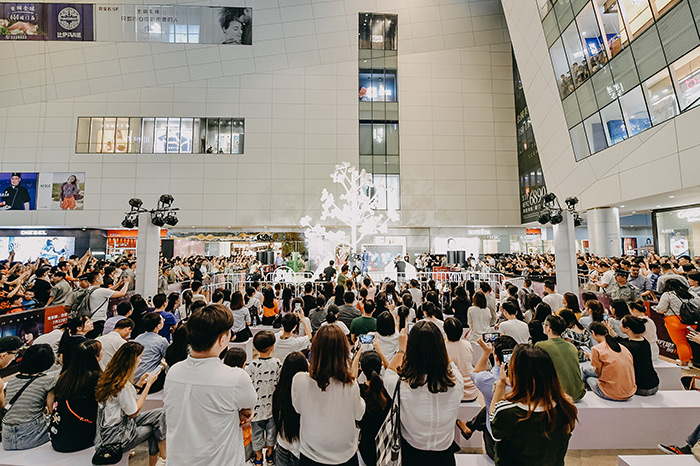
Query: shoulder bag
x: 689, y: 313
x: 389, y: 436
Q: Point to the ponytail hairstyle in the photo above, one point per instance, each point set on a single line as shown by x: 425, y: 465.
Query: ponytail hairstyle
x: 402, y: 312
x: 332, y: 314
x: 375, y: 396
x: 70, y: 329
x: 635, y: 324
x: 599, y: 329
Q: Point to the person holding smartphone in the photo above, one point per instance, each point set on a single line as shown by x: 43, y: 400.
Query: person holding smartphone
x: 287, y: 342
x: 119, y: 416
x: 365, y: 323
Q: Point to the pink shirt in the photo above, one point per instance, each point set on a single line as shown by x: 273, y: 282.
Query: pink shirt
x: 460, y: 353
x: 615, y: 371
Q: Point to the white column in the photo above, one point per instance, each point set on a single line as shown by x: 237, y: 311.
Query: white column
x: 604, y: 231
x: 147, y: 255
x: 565, y: 254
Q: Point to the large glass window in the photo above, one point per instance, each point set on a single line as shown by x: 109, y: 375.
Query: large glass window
x: 159, y: 135
x: 595, y: 134
x: 634, y: 109
x: 580, y: 144
x: 624, y: 72
x: 593, y: 42
x: 575, y: 56
x: 586, y: 99
x: 565, y: 14
x: 638, y: 16
x: 561, y: 69
x: 378, y: 85
x: 678, y: 32
x: 615, y: 130
x: 572, y: 112
x: 648, y: 54
x: 686, y: 77
x: 604, y: 86
x: 613, y: 26
x: 551, y: 29
x: 377, y: 31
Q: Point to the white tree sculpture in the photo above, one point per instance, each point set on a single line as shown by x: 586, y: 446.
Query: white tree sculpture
x: 361, y: 199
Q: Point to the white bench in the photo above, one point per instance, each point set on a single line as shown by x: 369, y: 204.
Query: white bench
x: 639, y: 423
x: 153, y: 401
x: 656, y: 460
x: 473, y: 460
x: 669, y: 375
x: 246, y: 345
x: 47, y: 456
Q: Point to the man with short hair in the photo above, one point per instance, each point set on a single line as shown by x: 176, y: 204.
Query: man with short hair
x: 329, y: 272
x: 343, y: 277
x: 114, y: 340
x: 654, y: 274
x: 197, y: 294
x: 552, y: 298
x: 207, y: 402
x: 667, y: 273
x: 154, y: 347
x: 124, y: 310
x: 160, y: 302
x: 416, y: 293
x: 607, y: 276
x: 564, y: 356
x: 59, y: 291
x: 517, y: 329
x: 347, y: 312
x: 98, y: 303
x: 622, y: 289
x: 365, y: 323
x: 41, y: 287
x: 16, y: 196
x: 287, y: 342
x: 639, y: 281
x: 9, y: 346
x: 308, y: 298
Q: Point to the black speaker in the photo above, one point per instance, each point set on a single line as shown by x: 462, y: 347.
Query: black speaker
x: 456, y: 257
x: 266, y: 257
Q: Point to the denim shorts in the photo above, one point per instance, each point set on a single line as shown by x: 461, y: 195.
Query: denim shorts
x: 25, y: 436
x: 264, y: 433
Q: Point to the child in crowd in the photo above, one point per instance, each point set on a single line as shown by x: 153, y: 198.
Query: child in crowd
x: 264, y: 372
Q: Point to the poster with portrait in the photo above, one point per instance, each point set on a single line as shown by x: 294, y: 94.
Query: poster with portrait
x: 18, y: 191
x: 61, y: 191
x: 46, y: 21
x: 31, y: 248
x: 181, y: 24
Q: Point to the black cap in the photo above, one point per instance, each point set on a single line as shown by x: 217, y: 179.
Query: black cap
x: 83, y: 277
x: 19, y: 175
x: 11, y: 343
x: 621, y: 273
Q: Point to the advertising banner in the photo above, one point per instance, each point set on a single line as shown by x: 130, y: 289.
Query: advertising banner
x: 31, y: 248
x: 18, y: 191
x: 175, y: 24
x: 61, y: 191
x: 46, y: 21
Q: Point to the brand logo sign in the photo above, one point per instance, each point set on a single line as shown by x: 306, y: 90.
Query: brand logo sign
x: 69, y: 18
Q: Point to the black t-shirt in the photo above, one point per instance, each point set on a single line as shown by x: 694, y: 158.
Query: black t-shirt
x: 42, y: 290
x: 329, y: 273
x: 369, y: 426
x: 521, y: 442
x: 15, y: 197
x: 459, y: 308
x: 73, y: 421
x: 644, y: 373
x: 309, y: 303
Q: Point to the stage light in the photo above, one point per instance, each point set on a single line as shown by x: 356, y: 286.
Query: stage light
x: 571, y: 202
x: 578, y: 221
x: 135, y: 203
x: 127, y: 223
x: 157, y: 219
x: 171, y: 219
x: 550, y: 197
x: 166, y: 200
x: 557, y: 218
x: 544, y: 218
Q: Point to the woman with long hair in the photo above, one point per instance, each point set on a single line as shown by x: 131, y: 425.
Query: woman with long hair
x: 68, y: 193
x: 173, y: 303
x: 286, y: 301
x: 532, y: 424
x: 571, y: 302
x: 26, y: 423
x: 675, y: 292
x: 478, y: 317
x: 269, y: 307
x: 386, y: 336
x: 575, y: 333
x: 241, y: 318
x: 287, y: 420
x: 645, y: 375
x: 612, y: 373
x: 73, y: 335
x: 460, y: 305
x: 332, y: 319
x: 618, y: 309
x: 542, y: 311
x: 119, y: 416
x: 75, y: 408
x: 338, y: 295
x: 377, y: 402
x: 430, y: 391
x: 187, y: 300
x: 328, y: 396
x: 178, y: 350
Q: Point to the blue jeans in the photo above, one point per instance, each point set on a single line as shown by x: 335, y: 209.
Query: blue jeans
x: 285, y: 457
x: 264, y: 433
x: 590, y: 378
x: 694, y: 437
x: 25, y: 436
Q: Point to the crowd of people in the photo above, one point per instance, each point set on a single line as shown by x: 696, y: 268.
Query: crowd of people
x: 345, y: 353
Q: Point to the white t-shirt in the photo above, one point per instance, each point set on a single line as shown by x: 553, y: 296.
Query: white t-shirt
x: 202, y: 398
x: 389, y: 345
x: 264, y: 373
x: 517, y: 329
x: 124, y: 402
x: 340, y: 325
x: 289, y: 345
x: 328, y: 433
x: 110, y: 344
x: 99, y: 302
x: 53, y: 338
x: 429, y: 423
x: 199, y: 297
x: 555, y: 301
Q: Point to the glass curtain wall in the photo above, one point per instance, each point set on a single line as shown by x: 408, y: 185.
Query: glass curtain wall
x: 144, y: 135
x: 622, y: 66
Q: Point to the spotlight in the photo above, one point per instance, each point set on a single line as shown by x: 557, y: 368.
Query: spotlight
x: 557, y: 218
x: 550, y: 197
x: 571, y: 202
x: 166, y: 200
x: 171, y: 219
x: 578, y: 221
x: 135, y: 203
x: 157, y: 219
x: 127, y: 223
x: 544, y: 218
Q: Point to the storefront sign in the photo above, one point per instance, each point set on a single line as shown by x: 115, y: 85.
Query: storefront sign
x: 32, y: 232
x: 691, y: 215
x: 46, y: 21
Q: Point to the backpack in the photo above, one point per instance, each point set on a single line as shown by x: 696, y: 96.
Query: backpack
x: 80, y: 305
x: 689, y: 312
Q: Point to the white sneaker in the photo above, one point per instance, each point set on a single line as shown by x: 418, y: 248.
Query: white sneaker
x: 160, y: 462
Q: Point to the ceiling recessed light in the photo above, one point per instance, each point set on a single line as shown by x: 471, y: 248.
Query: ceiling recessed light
x: 622, y: 206
x: 658, y: 205
x: 671, y: 197
x: 634, y: 211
